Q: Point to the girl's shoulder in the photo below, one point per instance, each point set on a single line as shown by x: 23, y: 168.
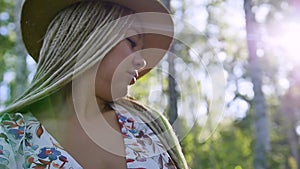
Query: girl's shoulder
x: 25, y: 143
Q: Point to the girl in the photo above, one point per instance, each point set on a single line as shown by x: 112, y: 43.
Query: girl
x: 88, y: 53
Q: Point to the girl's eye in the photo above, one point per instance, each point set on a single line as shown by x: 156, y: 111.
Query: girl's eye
x: 132, y: 43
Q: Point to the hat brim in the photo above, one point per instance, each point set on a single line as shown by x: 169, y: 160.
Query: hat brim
x: 37, y: 15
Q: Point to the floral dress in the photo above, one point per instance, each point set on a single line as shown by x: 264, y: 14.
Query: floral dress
x: 142, y: 147
x: 25, y: 143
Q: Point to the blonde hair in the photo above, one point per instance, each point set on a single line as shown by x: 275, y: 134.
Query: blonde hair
x: 83, y: 34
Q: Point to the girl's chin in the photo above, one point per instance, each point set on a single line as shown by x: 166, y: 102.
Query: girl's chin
x: 119, y: 93
x: 114, y: 92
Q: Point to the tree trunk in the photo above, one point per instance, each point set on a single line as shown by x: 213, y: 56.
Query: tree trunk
x: 262, y: 144
x: 172, y: 92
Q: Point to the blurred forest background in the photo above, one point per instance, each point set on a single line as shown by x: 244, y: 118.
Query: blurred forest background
x: 231, y: 88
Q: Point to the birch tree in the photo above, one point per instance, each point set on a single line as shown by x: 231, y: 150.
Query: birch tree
x: 262, y: 144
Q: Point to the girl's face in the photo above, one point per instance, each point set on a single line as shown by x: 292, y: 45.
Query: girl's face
x: 119, y: 68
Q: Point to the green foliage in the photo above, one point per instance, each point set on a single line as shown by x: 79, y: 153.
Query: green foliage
x: 12, y: 55
x: 229, y: 147
x: 232, y: 144
x: 7, y: 34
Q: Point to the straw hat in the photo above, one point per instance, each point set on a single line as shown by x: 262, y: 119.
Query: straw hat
x: 37, y: 15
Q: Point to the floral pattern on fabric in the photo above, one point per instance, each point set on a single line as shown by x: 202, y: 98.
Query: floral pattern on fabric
x: 143, y: 148
x: 24, y: 143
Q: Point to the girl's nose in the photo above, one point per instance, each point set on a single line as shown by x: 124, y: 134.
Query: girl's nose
x: 138, y: 61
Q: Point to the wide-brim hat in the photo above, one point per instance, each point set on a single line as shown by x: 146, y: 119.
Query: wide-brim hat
x: 37, y: 15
